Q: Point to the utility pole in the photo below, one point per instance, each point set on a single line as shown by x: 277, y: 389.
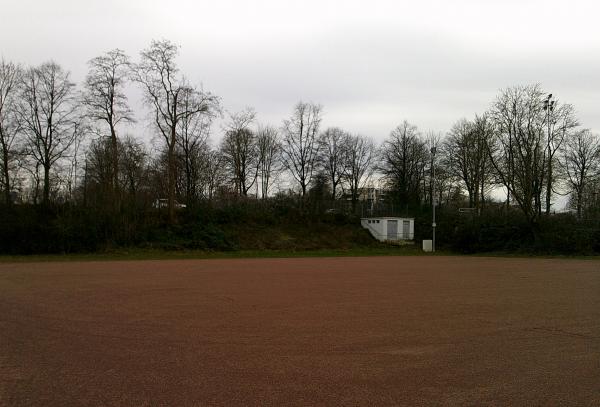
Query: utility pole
x: 549, y: 108
x: 433, y: 197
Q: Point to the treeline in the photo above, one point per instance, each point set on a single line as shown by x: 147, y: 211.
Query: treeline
x: 69, y: 169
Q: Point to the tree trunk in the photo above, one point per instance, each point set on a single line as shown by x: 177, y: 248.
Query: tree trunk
x: 6, y: 179
x: 482, y: 196
x: 549, y: 187
x: 189, y: 188
x: 115, y: 167
x: 171, y: 180
x: 354, y: 195
x: 46, y: 196
x: 265, y: 185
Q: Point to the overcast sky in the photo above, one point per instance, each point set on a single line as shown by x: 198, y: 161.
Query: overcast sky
x: 371, y: 64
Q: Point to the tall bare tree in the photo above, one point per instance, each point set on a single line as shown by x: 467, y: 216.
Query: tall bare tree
x: 269, y: 149
x: 404, y: 157
x: 483, y: 127
x: 165, y: 90
x: 518, y: 148
x: 240, y: 150
x: 433, y: 141
x: 581, y: 161
x: 10, y: 80
x: 214, y: 174
x: 332, y: 155
x: 49, y: 116
x: 192, y: 140
x: 560, y: 121
x: 300, y: 145
x: 99, y: 172
x: 133, y: 163
x: 133, y: 159
x: 466, y: 153
x: 106, y: 102
x: 360, y: 153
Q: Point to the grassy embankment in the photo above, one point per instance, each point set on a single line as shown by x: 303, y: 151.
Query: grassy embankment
x: 243, y: 241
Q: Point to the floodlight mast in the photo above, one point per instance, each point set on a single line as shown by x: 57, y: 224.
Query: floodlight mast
x: 549, y: 104
x: 433, y: 225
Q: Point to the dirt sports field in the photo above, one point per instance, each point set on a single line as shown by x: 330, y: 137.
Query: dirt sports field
x: 414, y: 331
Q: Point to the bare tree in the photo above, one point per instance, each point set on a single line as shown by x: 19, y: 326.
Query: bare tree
x: 404, y: 157
x: 133, y: 159
x: 215, y: 173
x: 193, y: 133
x: 466, y: 153
x: 581, y: 161
x: 165, y: 91
x: 240, y: 151
x: 458, y: 154
x: 483, y: 127
x: 332, y: 151
x: 133, y: 162
x: 10, y: 77
x: 269, y: 150
x: 432, y: 141
x: 518, y: 148
x: 48, y: 113
x: 106, y: 102
x: 560, y: 121
x: 72, y: 174
x: 360, y: 152
x: 99, y: 172
x: 300, y: 145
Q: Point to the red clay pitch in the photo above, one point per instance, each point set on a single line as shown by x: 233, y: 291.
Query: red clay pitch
x: 314, y: 331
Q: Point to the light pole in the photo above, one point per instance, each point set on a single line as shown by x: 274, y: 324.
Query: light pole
x: 549, y: 108
x: 433, y: 150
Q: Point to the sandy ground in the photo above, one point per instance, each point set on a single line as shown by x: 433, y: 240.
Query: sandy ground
x: 317, y: 331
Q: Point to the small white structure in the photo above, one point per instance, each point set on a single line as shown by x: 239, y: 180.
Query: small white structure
x: 390, y: 228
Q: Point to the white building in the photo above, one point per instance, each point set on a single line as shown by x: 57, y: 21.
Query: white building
x: 390, y: 228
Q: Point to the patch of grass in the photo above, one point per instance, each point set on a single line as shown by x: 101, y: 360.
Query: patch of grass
x: 524, y: 254
x: 161, y: 254
x: 158, y: 254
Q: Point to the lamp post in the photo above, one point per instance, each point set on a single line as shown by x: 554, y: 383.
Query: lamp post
x: 433, y: 150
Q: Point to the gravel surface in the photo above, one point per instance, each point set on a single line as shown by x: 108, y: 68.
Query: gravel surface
x: 373, y: 331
